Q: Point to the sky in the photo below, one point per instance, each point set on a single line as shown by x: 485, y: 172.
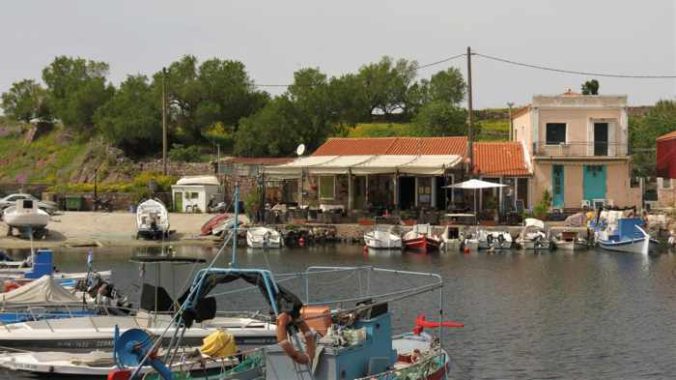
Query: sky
x: 275, y: 38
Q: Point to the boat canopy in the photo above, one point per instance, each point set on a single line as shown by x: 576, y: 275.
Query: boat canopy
x: 532, y: 222
x: 198, y: 180
x: 365, y: 164
x: 45, y: 290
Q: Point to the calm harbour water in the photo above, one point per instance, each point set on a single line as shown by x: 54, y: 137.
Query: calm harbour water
x: 587, y: 315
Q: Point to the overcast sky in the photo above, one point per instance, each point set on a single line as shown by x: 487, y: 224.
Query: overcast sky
x: 275, y: 38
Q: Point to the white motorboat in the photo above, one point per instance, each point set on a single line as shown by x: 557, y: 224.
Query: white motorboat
x: 382, y: 237
x: 152, y: 220
x: 494, y: 239
x: 26, y: 216
x: 533, y: 236
x: 263, y: 237
x: 568, y: 241
x: 95, y: 364
x: 97, y: 332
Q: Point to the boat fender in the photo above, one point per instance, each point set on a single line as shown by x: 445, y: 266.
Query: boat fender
x: 119, y: 374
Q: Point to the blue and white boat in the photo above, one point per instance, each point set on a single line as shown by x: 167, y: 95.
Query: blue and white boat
x: 626, y: 235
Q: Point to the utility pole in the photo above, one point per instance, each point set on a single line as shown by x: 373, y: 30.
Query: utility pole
x: 470, y: 116
x: 164, y: 121
x: 511, y: 124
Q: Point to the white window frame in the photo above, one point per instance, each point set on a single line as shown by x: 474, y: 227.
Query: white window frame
x: 565, y: 125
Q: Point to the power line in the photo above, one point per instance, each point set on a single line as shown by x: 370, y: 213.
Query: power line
x: 441, y: 61
x: 557, y: 70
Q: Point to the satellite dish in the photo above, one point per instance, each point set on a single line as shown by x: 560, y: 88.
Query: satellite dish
x: 300, y: 149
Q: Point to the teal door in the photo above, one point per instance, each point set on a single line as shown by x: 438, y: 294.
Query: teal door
x: 594, y: 182
x: 557, y: 186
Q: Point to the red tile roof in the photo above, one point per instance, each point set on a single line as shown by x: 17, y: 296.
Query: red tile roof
x: 344, y: 146
x: 668, y: 136
x: 491, y: 158
x: 503, y: 158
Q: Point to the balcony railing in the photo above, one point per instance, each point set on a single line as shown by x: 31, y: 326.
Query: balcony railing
x: 580, y: 149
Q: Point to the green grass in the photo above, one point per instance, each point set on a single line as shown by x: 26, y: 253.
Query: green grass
x: 494, y: 130
x: 381, y: 130
x: 46, y: 159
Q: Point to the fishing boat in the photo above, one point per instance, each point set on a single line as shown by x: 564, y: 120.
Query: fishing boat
x: 626, y: 235
x: 494, y: 240
x: 533, y: 236
x: 41, y: 263
x: 421, y: 238
x: 568, y: 241
x: 152, y: 220
x: 26, y: 217
x: 382, y: 237
x: 263, y: 237
x: 353, y: 342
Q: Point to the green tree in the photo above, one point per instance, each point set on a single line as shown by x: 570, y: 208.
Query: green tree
x: 661, y: 119
x: 26, y: 100
x: 76, y: 88
x: 385, y: 85
x: 131, y: 119
x: 590, y: 87
x: 272, y: 131
x: 202, y: 95
x: 447, y: 86
x: 440, y: 118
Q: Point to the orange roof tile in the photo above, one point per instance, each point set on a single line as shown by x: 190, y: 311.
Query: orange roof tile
x: 342, y: 146
x: 338, y: 146
x: 668, y: 136
x: 503, y: 158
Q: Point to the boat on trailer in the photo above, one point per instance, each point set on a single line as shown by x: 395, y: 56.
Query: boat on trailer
x: 26, y: 217
x: 152, y: 220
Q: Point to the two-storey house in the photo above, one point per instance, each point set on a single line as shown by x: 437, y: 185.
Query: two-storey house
x: 578, y: 145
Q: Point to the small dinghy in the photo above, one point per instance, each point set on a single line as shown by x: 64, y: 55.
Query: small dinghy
x: 421, y: 238
x: 494, y: 240
x: 533, y: 236
x: 382, y: 237
x: 27, y: 218
x: 568, y: 241
x: 152, y: 220
x: 263, y: 237
x: 217, y: 224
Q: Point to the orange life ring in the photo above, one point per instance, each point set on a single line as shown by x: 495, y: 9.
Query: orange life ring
x: 283, y: 341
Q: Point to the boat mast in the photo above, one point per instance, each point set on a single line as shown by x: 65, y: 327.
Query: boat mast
x: 233, y: 259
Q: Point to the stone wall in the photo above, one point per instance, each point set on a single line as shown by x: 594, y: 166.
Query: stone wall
x: 178, y: 169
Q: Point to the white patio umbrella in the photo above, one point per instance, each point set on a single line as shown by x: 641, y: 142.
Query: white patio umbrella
x: 474, y: 184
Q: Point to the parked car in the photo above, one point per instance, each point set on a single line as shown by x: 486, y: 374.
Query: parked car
x: 10, y: 200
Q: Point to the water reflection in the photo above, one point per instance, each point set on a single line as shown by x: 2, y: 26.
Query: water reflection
x: 590, y: 314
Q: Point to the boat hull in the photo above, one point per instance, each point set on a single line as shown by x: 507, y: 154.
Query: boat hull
x: 422, y: 244
x: 263, y: 237
x: 36, y: 220
x: 640, y: 245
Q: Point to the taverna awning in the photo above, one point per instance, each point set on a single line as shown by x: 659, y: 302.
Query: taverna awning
x: 365, y: 164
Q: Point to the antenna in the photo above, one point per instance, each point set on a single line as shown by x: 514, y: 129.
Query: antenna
x: 300, y: 149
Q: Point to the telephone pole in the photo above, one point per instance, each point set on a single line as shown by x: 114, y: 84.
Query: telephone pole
x: 164, y: 121
x: 470, y: 116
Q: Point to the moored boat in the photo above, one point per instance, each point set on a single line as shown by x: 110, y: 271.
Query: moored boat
x: 495, y: 240
x: 421, y: 238
x: 626, y: 235
x: 382, y: 237
x: 263, y: 237
x: 533, y: 236
x: 152, y: 220
x: 568, y: 241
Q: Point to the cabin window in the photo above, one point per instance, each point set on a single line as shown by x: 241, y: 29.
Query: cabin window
x: 191, y: 195
x: 327, y: 187
x: 556, y: 133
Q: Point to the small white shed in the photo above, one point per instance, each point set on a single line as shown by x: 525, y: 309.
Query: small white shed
x: 192, y: 194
